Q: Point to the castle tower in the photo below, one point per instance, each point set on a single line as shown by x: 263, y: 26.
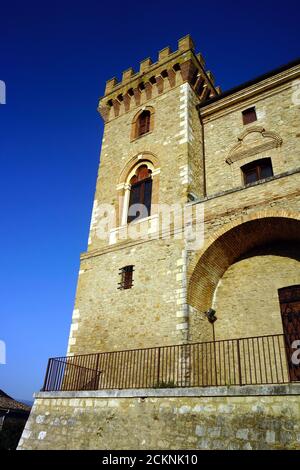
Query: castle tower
x: 186, y: 318
x: 151, y: 155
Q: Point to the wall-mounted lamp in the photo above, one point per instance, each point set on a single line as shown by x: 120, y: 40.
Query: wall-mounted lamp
x: 211, y: 315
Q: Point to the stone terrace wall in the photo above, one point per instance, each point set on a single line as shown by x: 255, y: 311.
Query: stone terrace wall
x: 137, y: 420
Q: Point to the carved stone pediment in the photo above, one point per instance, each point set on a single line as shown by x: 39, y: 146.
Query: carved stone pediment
x: 253, y: 141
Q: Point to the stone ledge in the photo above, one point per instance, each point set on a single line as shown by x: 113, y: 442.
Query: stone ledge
x: 241, y: 188
x: 222, y: 391
x: 249, y: 89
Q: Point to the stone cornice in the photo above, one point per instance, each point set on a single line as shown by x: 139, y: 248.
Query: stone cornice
x: 227, y: 192
x: 282, y: 79
x: 127, y: 244
x: 220, y: 391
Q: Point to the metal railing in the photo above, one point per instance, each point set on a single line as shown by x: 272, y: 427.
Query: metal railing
x: 244, y: 361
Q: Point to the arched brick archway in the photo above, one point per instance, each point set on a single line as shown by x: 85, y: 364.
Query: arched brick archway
x: 123, y: 186
x: 229, y: 244
x: 132, y: 162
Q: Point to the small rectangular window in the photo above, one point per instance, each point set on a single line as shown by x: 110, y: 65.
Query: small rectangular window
x: 126, y: 274
x: 249, y: 115
x: 257, y: 170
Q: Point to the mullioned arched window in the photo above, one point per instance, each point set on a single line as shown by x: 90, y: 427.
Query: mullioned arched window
x: 138, y: 189
x: 140, y: 194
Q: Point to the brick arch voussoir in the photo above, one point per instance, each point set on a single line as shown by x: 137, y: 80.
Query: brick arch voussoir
x: 224, y: 247
x: 141, y: 157
x: 144, y: 108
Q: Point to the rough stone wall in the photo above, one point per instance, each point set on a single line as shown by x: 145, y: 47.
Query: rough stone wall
x: 167, y: 142
x: 232, y: 422
x: 276, y: 112
x: 246, y: 299
x: 149, y: 314
x: 154, y: 311
x: 278, y: 196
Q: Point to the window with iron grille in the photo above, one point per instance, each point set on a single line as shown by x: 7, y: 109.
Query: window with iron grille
x: 257, y: 170
x: 249, y: 115
x: 126, y: 274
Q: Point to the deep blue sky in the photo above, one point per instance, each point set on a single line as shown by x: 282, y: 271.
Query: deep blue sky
x: 55, y: 58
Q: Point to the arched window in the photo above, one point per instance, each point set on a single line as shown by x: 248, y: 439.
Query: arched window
x: 140, y: 194
x: 257, y: 170
x: 143, y: 123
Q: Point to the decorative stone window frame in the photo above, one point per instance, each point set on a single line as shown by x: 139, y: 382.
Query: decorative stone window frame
x: 123, y: 186
x: 236, y: 174
x: 134, y: 123
x: 268, y: 140
x: 268, y: 144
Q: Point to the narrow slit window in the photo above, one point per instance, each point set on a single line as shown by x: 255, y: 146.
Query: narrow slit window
x: 126, y: 274
x: 249, y: 115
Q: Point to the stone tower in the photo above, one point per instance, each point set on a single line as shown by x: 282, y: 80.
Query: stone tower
x: 162, y: 97
x: 187, y: 315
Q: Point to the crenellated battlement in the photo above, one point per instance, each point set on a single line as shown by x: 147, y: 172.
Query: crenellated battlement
x: 170, y: 70
x: 146, y: 65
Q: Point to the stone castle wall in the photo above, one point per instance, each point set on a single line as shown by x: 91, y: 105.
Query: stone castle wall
x: 118, y: 149
x: 104, y: 317
x: 276, y: 134
x: 232, y: 295
x: 156, y: 311
x: 107, y: 319
x: 166, y: 419
x: 250, y: 249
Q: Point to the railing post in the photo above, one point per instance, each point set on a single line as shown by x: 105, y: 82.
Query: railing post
x: 239, y: 362
x: 46, y: 376
x: 215, y: 362
x: 158, y: 366
x: 187, y: 365
x: 97, y: 375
